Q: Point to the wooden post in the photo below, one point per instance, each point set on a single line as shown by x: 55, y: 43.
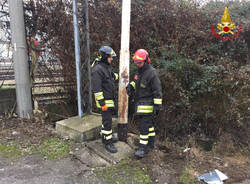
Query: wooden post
x: 124, y: 71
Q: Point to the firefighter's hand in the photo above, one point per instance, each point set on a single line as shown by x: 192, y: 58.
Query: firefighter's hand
x: 129, y: 89
x: 104, y: 108
x: 156, y: 109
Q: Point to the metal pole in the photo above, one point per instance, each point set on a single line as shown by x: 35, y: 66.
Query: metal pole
x: 78, y: 60
x: 21, y: 69
x: 124, y: 71
x: 87, y: 54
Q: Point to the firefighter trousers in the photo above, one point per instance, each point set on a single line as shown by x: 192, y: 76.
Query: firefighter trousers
x: 147, y: 130
x: 106, y: 126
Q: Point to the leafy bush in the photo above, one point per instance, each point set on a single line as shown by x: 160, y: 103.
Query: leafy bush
x: 202, y: 99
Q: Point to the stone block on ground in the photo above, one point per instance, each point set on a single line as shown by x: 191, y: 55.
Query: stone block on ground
x: 82, y: 129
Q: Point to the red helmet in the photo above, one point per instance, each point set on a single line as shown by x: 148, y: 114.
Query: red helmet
x: 141, y: 55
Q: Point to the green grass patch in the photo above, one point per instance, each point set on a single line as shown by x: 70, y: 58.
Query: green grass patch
x: 55, y: 148
x: 124, y: 172
x: 186, y: 177
x: 10, y: 150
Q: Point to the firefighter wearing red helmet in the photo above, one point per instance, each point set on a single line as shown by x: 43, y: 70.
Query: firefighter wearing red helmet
x: 103, y: 86
x: 148, y: 99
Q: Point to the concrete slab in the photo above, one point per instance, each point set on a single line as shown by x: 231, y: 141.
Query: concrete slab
x: 88, y: 157
x: 124, y: 151
x: 82, y: 129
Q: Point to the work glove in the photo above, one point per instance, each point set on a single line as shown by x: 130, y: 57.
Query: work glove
x: 104, y: 108
x: 157, y: 109
x: 129, y: 89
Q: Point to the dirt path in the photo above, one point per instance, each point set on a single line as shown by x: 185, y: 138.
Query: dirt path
x: 167, y: 164
x: 33, y: 169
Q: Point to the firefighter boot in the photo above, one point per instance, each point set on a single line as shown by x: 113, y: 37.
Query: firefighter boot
x: 141, y: 152
x: 110, y: 147
x: 114, y: 139
x: 151, y: 142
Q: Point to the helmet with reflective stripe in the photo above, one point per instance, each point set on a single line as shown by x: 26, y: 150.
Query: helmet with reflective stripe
x: 141, y: 55
x: 106, y: 51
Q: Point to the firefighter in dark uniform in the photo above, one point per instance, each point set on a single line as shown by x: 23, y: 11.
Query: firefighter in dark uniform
x: 103, y: 81
x: 148, y: 99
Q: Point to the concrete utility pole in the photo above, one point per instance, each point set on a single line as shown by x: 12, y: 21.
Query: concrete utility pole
x: 124, y: 71
x: 78, y: 60
x: 22, y: 78
x: 87, y: 54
